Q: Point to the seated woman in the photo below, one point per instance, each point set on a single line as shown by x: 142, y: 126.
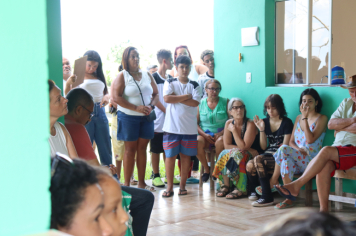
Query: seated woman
x: 77, y: 199
x: 241, y: 145
x: 212, y: 115
x: 60, y: 139
x: 306, y: 140
x: 277, y: 128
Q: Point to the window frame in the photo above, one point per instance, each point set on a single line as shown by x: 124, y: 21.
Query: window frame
x: 309, y: 45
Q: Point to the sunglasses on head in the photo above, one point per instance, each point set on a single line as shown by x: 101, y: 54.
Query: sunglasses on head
x: 60, y: 158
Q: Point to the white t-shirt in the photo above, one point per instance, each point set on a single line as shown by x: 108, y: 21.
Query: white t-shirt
x: 160, y: 116
x: 202, y: 80
x: 180, y: 118
x: 95, y: 87
x: 132, y: 93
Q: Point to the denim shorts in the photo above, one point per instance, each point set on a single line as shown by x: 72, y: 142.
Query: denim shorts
x: 131, y: 128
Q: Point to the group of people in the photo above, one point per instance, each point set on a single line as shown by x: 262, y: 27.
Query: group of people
x: 182, y: 114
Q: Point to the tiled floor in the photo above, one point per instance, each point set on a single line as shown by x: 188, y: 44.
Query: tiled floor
x: 201, y: 213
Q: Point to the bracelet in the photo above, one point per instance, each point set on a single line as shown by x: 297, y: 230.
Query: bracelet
x: 304, y: 118
x: 262, y: 131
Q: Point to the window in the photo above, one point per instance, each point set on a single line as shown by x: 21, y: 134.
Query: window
x: 311, y: 37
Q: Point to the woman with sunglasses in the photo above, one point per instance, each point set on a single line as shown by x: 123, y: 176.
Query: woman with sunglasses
x: 212, y: 115
x: 77, y: 199
x: 59, y: 139
x: 241, y: 143
x: 95, y: 84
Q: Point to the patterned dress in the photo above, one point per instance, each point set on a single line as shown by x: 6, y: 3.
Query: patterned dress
x: 292, y: 161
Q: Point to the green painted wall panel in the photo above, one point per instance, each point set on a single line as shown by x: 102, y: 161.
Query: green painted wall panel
x: 24, y: 121
x: 229, y: 17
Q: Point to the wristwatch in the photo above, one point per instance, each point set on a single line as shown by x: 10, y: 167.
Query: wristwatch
x: 153, y: 107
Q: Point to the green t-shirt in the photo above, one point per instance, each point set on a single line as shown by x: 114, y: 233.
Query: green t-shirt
x: 212, y: 120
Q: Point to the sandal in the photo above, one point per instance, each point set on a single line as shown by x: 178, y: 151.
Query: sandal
x: 150, y: 188
x: 222, y: 191
x: 167, y: 194
x: 182, y: 192
x: 133, y: 181
x: 259, y: 190
x: 235, y: 194
x: 283, y: 205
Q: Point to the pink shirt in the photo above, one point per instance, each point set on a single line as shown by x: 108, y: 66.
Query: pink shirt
x: 80, y: 139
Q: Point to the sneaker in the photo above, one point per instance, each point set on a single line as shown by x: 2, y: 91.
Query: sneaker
x: 205, y: 177
x: 192, y: 180
x: 262, y: 203
x: 253, y: 197
x: 175, y: 181
x: 157, y: 182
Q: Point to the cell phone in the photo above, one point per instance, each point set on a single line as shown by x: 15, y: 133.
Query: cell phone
x: 112, y: 110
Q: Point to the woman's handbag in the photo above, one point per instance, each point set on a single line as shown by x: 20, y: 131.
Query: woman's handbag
x: 152, y: 115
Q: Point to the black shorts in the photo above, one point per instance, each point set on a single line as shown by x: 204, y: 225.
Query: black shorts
x: 156, y: 144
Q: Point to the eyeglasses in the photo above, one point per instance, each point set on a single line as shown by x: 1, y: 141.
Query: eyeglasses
x: 214, y: 89
x: 60, y: 158
x: 237, y: 107
x: 91, y: 114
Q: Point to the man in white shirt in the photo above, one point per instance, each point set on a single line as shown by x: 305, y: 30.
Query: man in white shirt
x: 183, y: 97
x: 208, y: 59
x: 68, y: 78
x: 340, y: 156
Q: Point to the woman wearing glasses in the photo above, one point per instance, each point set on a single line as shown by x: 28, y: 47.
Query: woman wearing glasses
x: 212, y: 115
x: 241, y: 142
x: 78, y: 200
x: 59, y: 139
x: 95, y: 84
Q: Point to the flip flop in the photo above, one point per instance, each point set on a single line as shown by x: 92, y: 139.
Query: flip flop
x: 289, y: 196
x: 185, y: 192
x: 150, y: 188
x: 273, y: 190
x: 168, y: 194
x: 283, y: 205
x: 133, y: 182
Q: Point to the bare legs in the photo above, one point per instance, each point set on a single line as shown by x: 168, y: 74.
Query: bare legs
x: 219, y: 146
x: 323, y: 181
x: 201, y: 153
x: 316, y: 166
x: 155, y: 162
x: 275, y: 176
x: 185, y: 168
x: 131, y: 148
x: 118, y: 168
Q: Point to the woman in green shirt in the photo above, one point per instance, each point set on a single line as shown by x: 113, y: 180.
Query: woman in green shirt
x: 212, y: 115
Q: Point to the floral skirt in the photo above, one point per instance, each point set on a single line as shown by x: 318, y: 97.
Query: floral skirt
x: 232, y: 162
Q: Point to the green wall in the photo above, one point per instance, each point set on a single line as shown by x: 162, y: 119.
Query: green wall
x: 229, y: 17
x: 26, y: 62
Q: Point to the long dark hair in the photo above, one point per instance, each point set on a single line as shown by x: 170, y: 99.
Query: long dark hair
x: 312, y: 92
x: 94, y: 56
x: 277, y: 102
x: 176, y: 55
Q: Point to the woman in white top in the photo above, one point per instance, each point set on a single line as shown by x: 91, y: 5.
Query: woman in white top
x: 98, y: 128
x: 136, y: 93
x: 196, y: 69
x: 59, y: 139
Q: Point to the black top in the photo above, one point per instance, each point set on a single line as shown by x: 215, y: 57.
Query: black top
x: 275, y: 139
x: 158, y: 78
x: 256, y: 143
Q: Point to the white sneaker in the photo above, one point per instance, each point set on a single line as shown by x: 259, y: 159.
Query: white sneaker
x: 253, y: 197
x: 262, y: 203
